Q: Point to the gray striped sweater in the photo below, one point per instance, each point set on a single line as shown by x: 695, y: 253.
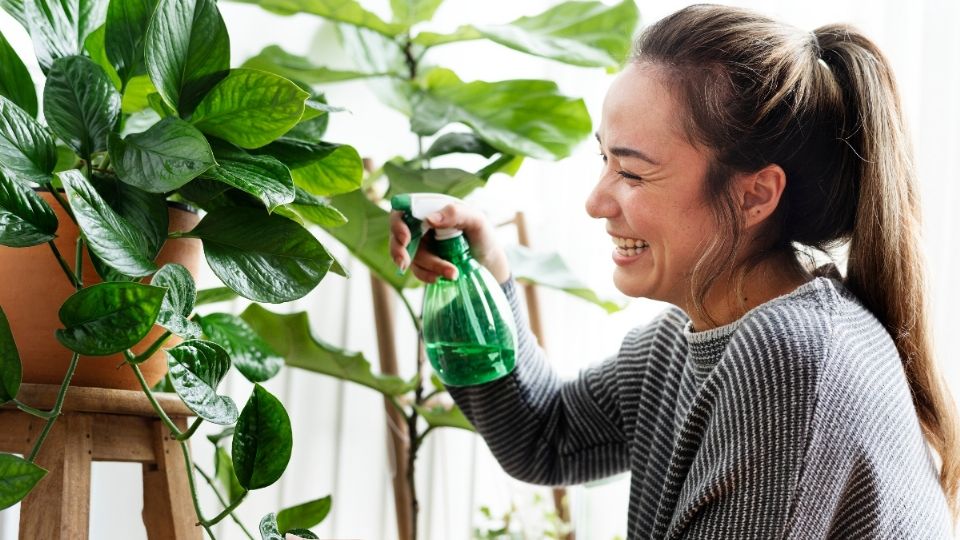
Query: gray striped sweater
x: 794, y: 421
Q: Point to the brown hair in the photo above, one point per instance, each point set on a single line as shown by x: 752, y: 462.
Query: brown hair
x: 824, y: 106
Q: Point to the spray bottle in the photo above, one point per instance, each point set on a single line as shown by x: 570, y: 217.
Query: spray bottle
x: 468, y: 328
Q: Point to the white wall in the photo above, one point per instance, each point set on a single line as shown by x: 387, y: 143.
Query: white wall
x: 339, y: 429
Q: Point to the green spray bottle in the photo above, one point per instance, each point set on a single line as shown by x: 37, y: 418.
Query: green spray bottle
x: 468, y: 328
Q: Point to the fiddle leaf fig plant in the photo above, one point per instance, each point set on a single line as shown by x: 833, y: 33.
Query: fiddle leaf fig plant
x: 496, y: 123
x: 141, y: 109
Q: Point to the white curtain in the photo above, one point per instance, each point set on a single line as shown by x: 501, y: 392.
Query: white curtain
x: 339, y: 429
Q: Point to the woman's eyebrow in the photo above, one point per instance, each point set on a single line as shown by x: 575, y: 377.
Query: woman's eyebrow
x: 620, y: 151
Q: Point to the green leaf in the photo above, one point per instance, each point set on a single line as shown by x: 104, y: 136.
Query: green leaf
x: 268, y: 528
x: 410, y: 12
x: 223, y: 465
x: 345, y: 11
x: 17, y: 478
x: 313, y: 125
x: 590, y: 34
x: 226, y: 432
x: 290, y: 335
x: 463, y: 33
x: 15, y: 82
x: 196, y: 369
x: 250, y: 108
x: 135, y: 96
x: 265, y: 258
x: 263, y: 440
x: 315, y: 209
x: 549, y: 270
x: 249, y: 352
x: 81, y: 104
x: 16, y: 10
x: 454, y: 182
x: 506, y: 163
x: 304, y: 516
x: 25, y: 218
x: 163, y: 158
x: 367, y: 235
x: 27, y: 150
x: 214, y: 295
x: 178, y: 302
x: 459, y: 143
x: 121, y: 245
x: 303, y: 533
x: 60, y: 28
x: 371, y: 52
x: 144, y: 211
x: 159, y: 106
x: 527, y: 117
x: 126, y: 26
x: 274, y: 59
x: 107, y: 318
x: 262, y: 176
x: 441, y: 416
x: 320, y: 168
x: 187, y: 51
x: 10, y: 367
x: 96, y: 48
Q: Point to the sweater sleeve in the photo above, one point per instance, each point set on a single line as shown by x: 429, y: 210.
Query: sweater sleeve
x: 543, y: 430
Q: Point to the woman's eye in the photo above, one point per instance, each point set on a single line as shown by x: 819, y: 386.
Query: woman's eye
x: 603, y: 157
x: 628, y: 176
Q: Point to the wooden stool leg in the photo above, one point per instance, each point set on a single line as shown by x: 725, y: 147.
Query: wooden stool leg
x: 59, y: 506
x: 168, y: 512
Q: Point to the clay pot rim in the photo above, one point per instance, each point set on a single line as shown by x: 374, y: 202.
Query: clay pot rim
x: 175, y: 204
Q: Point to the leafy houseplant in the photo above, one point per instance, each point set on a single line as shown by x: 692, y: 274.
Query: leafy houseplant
x: 501, y: 122
x: 142, y: 109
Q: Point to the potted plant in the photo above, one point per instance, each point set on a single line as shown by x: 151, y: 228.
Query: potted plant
x: 500, y: 122
x: 142, y: 111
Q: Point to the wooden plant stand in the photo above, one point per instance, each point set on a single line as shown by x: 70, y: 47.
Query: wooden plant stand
x: 100, y: 424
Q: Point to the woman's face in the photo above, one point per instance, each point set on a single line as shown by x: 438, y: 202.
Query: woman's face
x: 651, y: 188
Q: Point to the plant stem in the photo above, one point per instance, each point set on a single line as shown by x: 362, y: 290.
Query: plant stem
x: 222, y: 500
x: 140, y: 358
x: 78, y: 262
x: 153, y: 401
x: 63, y: 203
x: 36, y: 412
x: 189, y: 433
x: 228, y: 510
x: 413, y: 315
x: 56, y: 408
x: 74, y: 280
x: 193, y: 486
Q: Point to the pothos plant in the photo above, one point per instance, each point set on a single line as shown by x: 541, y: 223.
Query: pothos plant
x: 499, y: 123
x: 141, y: 107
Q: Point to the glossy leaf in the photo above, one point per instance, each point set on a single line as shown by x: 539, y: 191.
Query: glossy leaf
x: 459, y: 143
x: 549, y: 270
x: 262, y: 176
x: 444, y: 416
x: 262, y: 441
x: 313, y: 125
x: 297, y: 68
x: 345, y: 11
x: 96, y: 47
x: 226, y: 476
x: 214, y: 295
x: 135, y: 97
x: 17, y: 478
x: 121, y: 245
x: 304, y: 516
x: 187, y: 51
x: 526, y: 117
x: 314, y: 209
x: 251, y: 355
x: 163, y: 158
x: 81, y: 104
x: 268, y: 528
x: 367, y: 235
x: 126, y: 27
x: 59, y: 28
x: 144, y: 211
x: 320, y: 168
x: 15, y: 81
x: 410, y: 12
x: 196, y: 369
x: 27, y: 151
x: 454, y: 182
x: 290, y: 335
x: 302, y: 533
x: 178, y: 302
x: 25, y: 218
x: 108, y: 318
x: 250, y: 108
x: 11, y: 370
x: 262, y: 257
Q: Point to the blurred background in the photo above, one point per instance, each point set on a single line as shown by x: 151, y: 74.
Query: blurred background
x: 339, y: 429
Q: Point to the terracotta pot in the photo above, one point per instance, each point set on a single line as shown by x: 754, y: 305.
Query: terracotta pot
x: 33, y: 287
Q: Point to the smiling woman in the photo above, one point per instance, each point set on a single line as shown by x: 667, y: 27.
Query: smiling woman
x: 775, y: 399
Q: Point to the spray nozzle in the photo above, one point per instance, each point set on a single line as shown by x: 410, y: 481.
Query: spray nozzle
x: 415, y: 208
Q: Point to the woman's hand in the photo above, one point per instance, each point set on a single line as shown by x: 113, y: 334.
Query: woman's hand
x: 474, y: 224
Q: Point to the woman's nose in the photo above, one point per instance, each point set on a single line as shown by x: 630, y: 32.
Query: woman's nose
x: 600, y: 203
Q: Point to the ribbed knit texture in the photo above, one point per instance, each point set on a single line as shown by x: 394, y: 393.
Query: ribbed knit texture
x: 795, y: 421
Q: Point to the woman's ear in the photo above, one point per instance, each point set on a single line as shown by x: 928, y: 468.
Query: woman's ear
x: 760, y: 193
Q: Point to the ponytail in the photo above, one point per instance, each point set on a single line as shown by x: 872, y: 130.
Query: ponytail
x: 885, y: 268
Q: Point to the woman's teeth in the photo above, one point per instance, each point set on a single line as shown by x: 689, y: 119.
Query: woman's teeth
x: 629, y: 246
